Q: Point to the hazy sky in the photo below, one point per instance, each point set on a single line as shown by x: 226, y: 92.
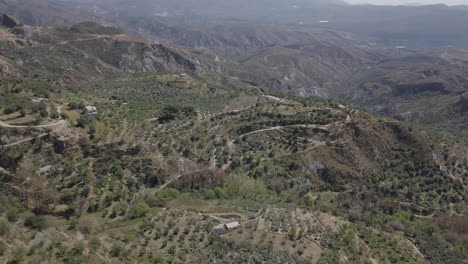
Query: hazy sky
x: 397, y: 2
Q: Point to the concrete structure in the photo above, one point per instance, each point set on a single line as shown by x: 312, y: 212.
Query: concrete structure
x: 224, y: 228
x: 91, y: 110
x: 232, y: 226
x: 40, y: 100
x: 271, y: 98
x: 220, y: 229
x: 44, y: 170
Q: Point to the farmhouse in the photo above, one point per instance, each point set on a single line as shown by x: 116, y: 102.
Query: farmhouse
x: 220, y: 229
x: 224, y: 228
x: 232, y: 226
x: 271, y: 98
x: 91, y: 110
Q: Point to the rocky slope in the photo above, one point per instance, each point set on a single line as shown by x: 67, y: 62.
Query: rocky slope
x: 427, y: 89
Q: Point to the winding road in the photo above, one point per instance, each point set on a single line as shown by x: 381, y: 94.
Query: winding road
x: 276, y: 128
x: 60, y: 123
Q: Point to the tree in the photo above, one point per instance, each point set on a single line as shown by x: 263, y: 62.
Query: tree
x: 35, y: 222
x: 292, y: 233
x: 4, y: 248
x: 172, y: 250
x: 219, y: 192
x: 159, y: 260
x: 38, y: 194
x: 94, y: 243
x: 309, y: 200
x: 4, y: 228
x: 2, y: 143
x: 87, y: 225
x: 83, y: 121
x: 116, y: 250
x: 141, y: 210
x: 79, y: 248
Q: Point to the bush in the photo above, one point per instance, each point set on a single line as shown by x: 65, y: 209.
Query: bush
x: 12, y: 214
x: 87, y: 225
x: 309, y: 200
x: 172, y: 250
x: 164, y: 196
x: 3, y: 248
x: 94, y: 243
x: 4, y: 228
x: 209, y: 194
x: 116, y: 250
x: 75, y: 105
x: 18, y: 255
x: 292, y: 233
x: 219, y: 192
x: 159, y: 260
x: 141, y: 210
x: 83, y: 121
x: 35, y: 222
x: 72, y: 223
x: 79, y: 248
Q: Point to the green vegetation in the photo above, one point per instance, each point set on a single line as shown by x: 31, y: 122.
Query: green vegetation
x: 169, y: 156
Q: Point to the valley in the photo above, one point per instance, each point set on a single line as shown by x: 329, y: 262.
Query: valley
x: 203, y: 136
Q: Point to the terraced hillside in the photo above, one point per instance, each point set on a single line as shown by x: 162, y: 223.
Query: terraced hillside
x: 169, y: 154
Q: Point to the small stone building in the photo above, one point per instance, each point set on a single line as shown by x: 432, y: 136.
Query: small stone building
x: 44, y: 170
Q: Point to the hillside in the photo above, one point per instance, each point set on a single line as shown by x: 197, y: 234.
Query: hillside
x: 307, y: 68
x: 86, y: 51
x: 417, y: 27
x: 427, y: 89
x: 166, y: 158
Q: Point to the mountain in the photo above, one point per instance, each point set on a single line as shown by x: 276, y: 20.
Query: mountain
x: 37, y: 12
x: 412, y: 26
x: 427, y: 89
x: 122, y: 150
x: 87, y: 50
x: 307, y: 68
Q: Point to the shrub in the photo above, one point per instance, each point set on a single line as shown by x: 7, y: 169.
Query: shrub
x: 94, y: 243
x: 3, y: 248
x: 72, y: 223
x: 159, y: 260
x: 208, y: 194
x: 141, y: 210
x: 35, y: 222
x: 87, y: 225
x: 309, y: 200
x: 79, y: 248
x: 12, y: 214
x: 116, y: 250
x: 292, y: 233
x: 83, y: 121
x: 18, y: 255
x: 172, y: 250
x: 219, y: 192
x: 4, y: 228
x: 164, y: 196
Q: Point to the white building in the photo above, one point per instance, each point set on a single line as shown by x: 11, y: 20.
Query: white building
x: 91, y: 110
x: 224, y: 228
x: 44, y: 170
x: 232, y: 226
